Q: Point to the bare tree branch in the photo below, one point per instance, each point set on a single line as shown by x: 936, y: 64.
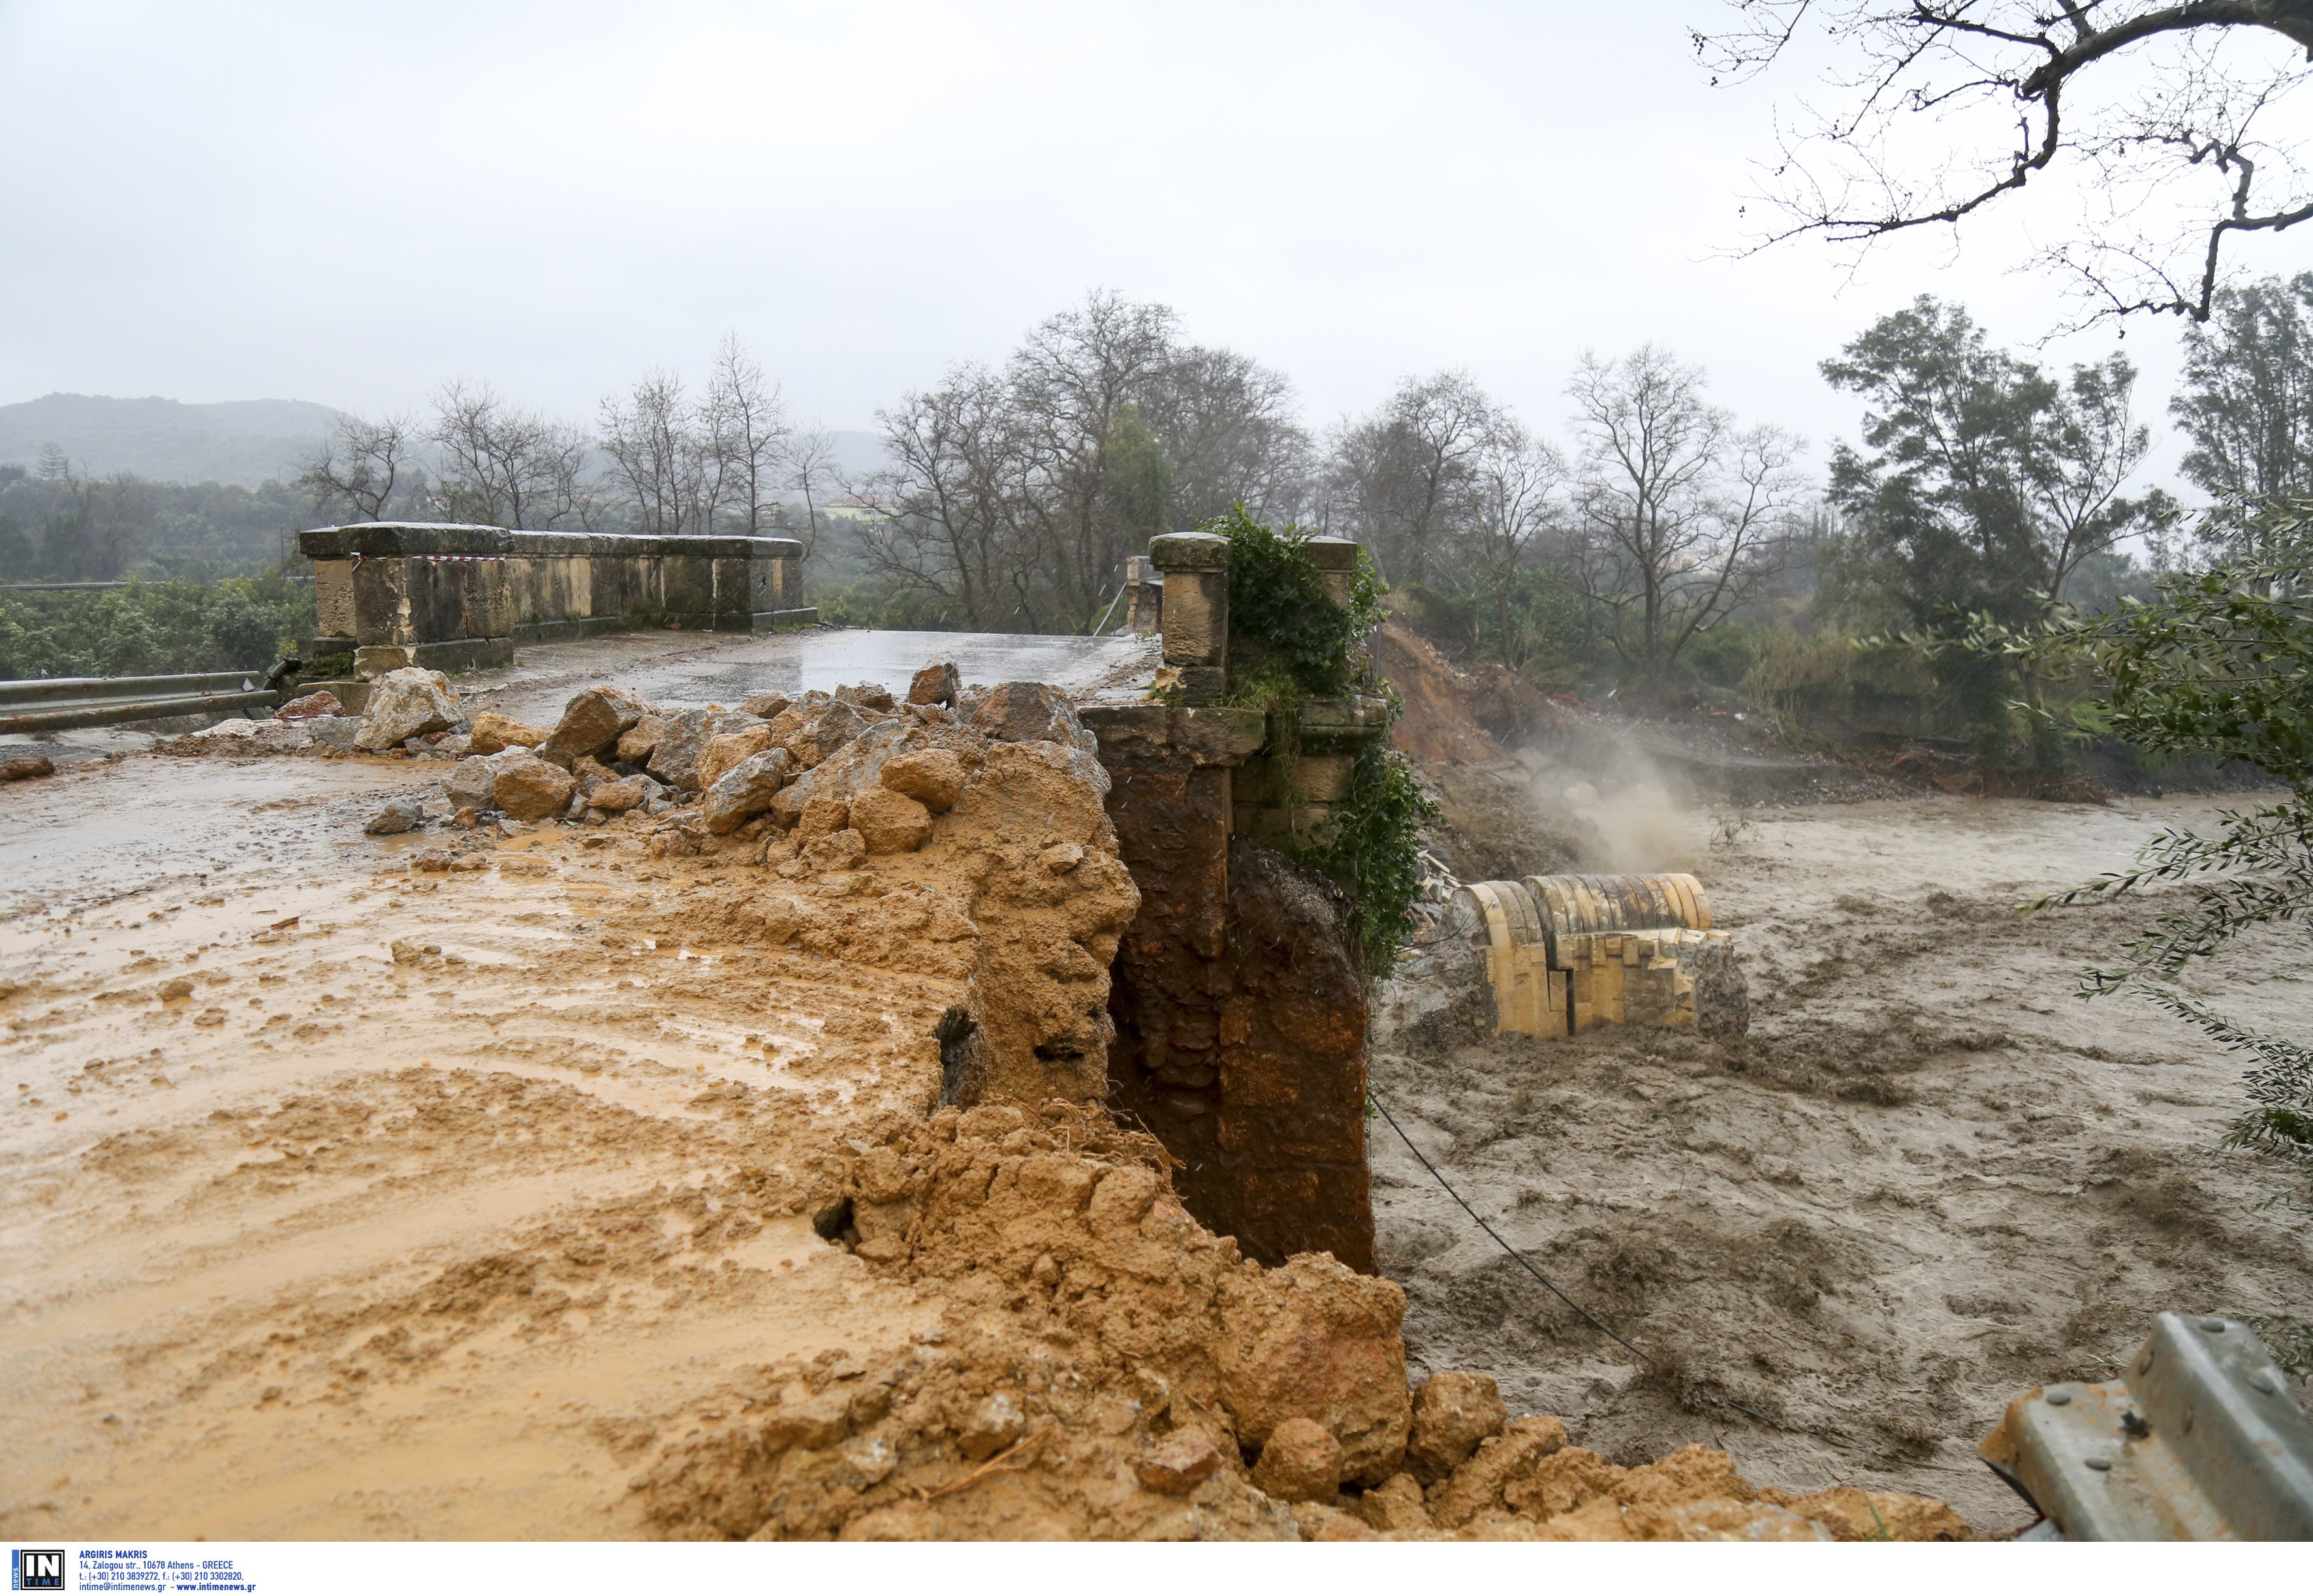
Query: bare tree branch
x: 1955, y: 104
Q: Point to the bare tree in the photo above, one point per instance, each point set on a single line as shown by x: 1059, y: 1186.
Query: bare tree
x: 1678, y: 517
x: 1069, y: 384
x: 2090, y: 446
x: 1514, y: 480
x: 1947, y: 106
x: 1227, y: 428
x: 957, y: 487
x: 1401, y: 479
x: 502, y: 466
x: 661, y: 462
x: 747, y: 427
x: 808, y: 462
x: 1019, y: 494
x: 362, y: 465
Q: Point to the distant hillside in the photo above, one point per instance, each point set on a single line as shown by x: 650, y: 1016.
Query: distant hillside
x: 239, y: 441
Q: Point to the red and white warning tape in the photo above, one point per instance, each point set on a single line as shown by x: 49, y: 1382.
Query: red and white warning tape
x: 439, y: 559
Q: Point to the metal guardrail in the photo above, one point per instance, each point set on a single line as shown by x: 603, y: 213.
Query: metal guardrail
x: 58, y: 703
x: 2200, y: 1440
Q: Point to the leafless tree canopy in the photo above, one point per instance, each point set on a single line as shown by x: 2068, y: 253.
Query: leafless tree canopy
x: 807, y: 467
x: 1678, y: 517
x: 365, y: 469
x: 500, y: 466
x: 1403, y: 480
x: 1014, y: 496
x: 1939, y: 107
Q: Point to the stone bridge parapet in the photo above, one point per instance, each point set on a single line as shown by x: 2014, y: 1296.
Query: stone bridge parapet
x: 460, y: 597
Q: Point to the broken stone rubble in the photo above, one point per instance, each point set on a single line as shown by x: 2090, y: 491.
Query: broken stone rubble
x: 405, y: 704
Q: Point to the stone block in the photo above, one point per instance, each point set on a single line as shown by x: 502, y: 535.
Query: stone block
x: 1196, y: 618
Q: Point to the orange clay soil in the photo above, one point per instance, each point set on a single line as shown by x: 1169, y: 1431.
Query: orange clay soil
x: 598, y: 1186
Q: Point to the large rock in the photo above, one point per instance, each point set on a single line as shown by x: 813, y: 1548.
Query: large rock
x: 1315, y: 1340
x: 637, y: 742
x: 837, y: 850
x: 474, y: 779
x: 1033, y: 712
x: 767, y: 705
x: 891, y: 822
x: 846, y: 772
x: 935, y: 683
x: 315, y: 704
x: 1395, y: 1505
x: 494, y: 733
x: 1451, y: 1413
x: 728, y: 753
x: 675, y: 759
x: 822, y: 816
x: 405, y: 704
x: 866, y: 695
x: 591, y: 723
x: 1300, y: 1463
x: 1500, y: 1460
x: 746, y: 790
x: 825, y: 729
x: 932, y: 776
x: 529, y: 788
x: 399, y: 815
x: 617, y: 797
x: 26, y: 767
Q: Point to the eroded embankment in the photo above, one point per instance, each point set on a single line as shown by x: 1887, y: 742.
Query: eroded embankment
x: 596, y: 1182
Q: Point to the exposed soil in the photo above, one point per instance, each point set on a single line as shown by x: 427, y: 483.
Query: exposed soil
x: 1928, y: 1179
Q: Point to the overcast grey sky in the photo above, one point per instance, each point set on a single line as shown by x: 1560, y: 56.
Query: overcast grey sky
x: 348, y: 204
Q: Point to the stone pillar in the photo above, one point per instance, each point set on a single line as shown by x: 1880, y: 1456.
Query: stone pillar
x: 1337, y: 559
x: 1196, y: 613
x: 1240, y: 1023
x: 1144, y: 596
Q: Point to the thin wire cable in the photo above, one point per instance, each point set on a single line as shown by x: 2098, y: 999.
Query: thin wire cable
x: 1590, y: 1318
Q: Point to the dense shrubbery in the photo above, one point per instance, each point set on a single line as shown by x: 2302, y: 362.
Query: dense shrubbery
x: 155, y: 628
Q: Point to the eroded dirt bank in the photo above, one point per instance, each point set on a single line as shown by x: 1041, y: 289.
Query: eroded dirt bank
x: 1928, y: 1179
x: 595, y: 1181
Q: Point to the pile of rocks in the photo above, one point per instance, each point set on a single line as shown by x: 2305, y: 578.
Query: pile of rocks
x: 851, y: 772
x: 409, y: 711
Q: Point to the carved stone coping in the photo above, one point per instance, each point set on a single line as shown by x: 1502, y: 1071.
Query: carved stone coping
x: 392, y: 539
x: 1328, y: 725
x: 1189, y: 551
x: 1150, y: 732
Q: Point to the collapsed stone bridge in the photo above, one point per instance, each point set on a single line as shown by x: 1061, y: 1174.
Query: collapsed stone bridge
x: 1238, y: 1014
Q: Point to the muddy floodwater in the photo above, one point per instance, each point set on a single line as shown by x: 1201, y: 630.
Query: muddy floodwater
x: 1930, y: 1179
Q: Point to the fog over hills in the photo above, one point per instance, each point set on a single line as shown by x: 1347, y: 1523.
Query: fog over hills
x: 239, y: 441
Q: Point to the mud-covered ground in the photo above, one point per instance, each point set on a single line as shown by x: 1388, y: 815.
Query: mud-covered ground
x: 1928, y: 1179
